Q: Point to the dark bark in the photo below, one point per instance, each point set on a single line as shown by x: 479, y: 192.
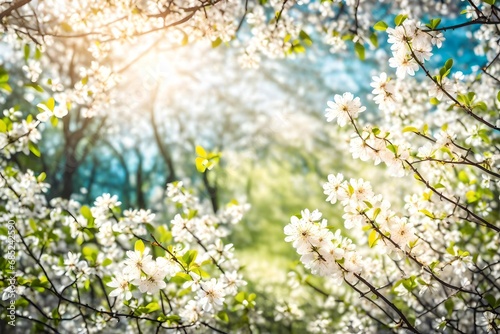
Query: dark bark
x: 126, y: 179
x: 16, y: 5
x: 70, y: 167
x: 212, y: 192
x: 92, y: 178
x: 162, y: 147
x: 141, y: 200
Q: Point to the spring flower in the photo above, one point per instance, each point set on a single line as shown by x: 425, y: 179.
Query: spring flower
x: 343, y: 108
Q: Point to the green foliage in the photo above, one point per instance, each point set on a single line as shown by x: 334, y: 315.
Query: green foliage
x: 4, y: 79
x: 380, y: 26
x: 360, y: 50
x: 434, y: 23
x: 399, y: 19
x: 34, y: 149
x: 35, y: 86
x: 206, y: 160
x: 216, y: 42
x: 139, y: 246
x: 3, y: 126
x: 372, y: 238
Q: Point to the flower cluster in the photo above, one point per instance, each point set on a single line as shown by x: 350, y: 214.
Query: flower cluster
x: 344, y: 109
x: 188, y: 264
x: 370, y: 143
x: 321, y: 250
x: 81, y: 253
x: 362, y: 207
x: 19, y: 137
x: 411, y: 46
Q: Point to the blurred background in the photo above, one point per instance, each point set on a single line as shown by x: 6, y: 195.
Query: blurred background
x: 268, y: 123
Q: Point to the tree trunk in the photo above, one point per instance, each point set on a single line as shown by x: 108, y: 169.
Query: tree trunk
x: 70, y: 168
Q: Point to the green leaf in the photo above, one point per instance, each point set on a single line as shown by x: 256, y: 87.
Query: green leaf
x: 164, y: 235
x: 398, y: 20
x: 51, y: 103
x: 481, y: 106
x: 26, y: 52
x: 4, y: 76
x: 427, y: 213
x: 240, y: 297
x: 201, y: 151
x: 463, y: 177
x: 484, y: 135
x: 392, y: 148
x: 427, y: 196
x: 139, y: 246
x: 201, y: 164
x: 173, y: 318
x: 348, y: 37
x: 472, y: 196
x: 185, y: 39
x: 153, y: 306
x: 106, y: 262
x: 410, y: 129
x: 86, y: 212
x: 372, y: 238
x: 3, y: 126
x: 6, y: 87
x: 451, y: 250
x: 461, y: 98
x: 34, y: 149
x: 202, y: 273
x: 449, y: 304
x: 34, y: 86
x: 180, y: 278
x: 38, y: 54
x: 223, y: 317
x: 66, y: 27
x: 54, y: 121
x: 490, y: 2
x: 491, y: 300
x: 360, y: 50
x: 380, y: 26
x: 303, y: 35
x: 448, y: 64
x: 191, y: 214
x: 190, y: 256
x: 33, y: 225
x: 374, y: 39
x: 305, y: 38
x: 471, y: 96
x: 298, y: 48
x: 41, y: 177
x: 217, y: 42
x: 434, y: 23
x: 90, y: 253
